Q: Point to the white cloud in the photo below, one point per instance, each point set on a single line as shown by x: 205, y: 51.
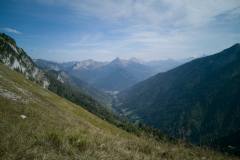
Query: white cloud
x: 159, y: 12
x: 11, y: 30
x: 152, y: 29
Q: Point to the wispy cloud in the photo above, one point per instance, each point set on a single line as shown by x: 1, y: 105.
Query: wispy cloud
x: 11, y: 30
x: 151, y: 29
x: 159, y: 12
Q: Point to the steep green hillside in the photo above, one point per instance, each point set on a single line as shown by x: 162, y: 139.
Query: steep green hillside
x: 58, y: 82
x: 76, y: 95
x: 37, y: 124
x: 77, y: 85
x: 198, y: 101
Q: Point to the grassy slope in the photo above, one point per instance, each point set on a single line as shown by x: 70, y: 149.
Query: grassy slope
x: 58, y: 129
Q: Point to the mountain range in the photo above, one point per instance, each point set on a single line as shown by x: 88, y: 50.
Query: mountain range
x: 197, y: 101
x: 112, y: 76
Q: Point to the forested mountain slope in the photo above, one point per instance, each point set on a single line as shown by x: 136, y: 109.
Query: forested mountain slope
x: 198, y: 101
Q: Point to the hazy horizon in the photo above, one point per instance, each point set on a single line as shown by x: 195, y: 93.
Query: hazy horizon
x: 110, y: 60
x: 77, y: 30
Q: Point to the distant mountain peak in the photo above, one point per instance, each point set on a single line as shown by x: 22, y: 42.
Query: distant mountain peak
x: 135, y: 60
x: 87, y: 64
x: 118, y: 61
x: 125, y: 62
x: 237, y: 45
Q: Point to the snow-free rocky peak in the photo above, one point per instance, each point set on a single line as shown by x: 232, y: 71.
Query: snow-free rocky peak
x: 87, y: 64
x: 17, y: 59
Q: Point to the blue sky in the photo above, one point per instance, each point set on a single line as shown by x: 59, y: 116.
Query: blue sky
x: 64, y: 30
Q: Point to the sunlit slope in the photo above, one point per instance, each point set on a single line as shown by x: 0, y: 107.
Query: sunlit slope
x: 37, y: 124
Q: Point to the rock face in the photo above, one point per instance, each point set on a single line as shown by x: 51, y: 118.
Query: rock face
x: 17, y: 59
